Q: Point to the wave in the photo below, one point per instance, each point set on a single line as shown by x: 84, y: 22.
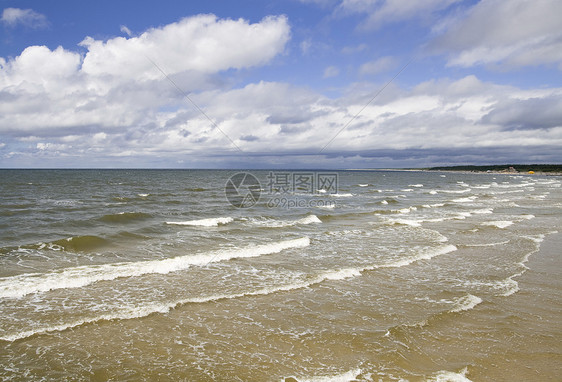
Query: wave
x: 76, y: 277
x: 406, y: 210
x: 348, y: 376
x: 272, y: 223
x: 449, y: 376
x: 488, y: 244
x: 75, y: 243
x: 460, y: 304
x: 417, y: 222
x: 310, y: 219
x: 146, y: 310
x: 210, y: 222
x: 482, y: 211
x: 343, y: 195
x: 499, y: 223
x: 124, y: 217
x: 422, y: 256
x: 465, y: 200
x: 464, y: 303
x: 456, y: 191
x: 415, y: 185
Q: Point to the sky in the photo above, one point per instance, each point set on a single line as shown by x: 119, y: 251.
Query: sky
x: 279, y: 84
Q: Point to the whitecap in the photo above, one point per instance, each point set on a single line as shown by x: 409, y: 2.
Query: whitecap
x: 498, y: 223
x: 449, y: 376
x: 464, y: 303
x: 210, y: 222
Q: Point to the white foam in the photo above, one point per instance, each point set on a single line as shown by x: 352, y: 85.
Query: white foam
x: 509, y: 286
x: 464, y: 303
x: 499, y: 223
x: 415, y: 185
x: 407, y: 190
x: 462, y: 215
x: 465, y: 200
x: 406, y: 210
x: 210, y: 222
x: 433, y: 192
x: 343, y: 274
x: 410, y: 222
x: 449, y: 376
x: 488, y: 244
x: 457, y: 191
x: 483, y: 211
x: 384, y: 202
x: 348, y: 376
x: 272, y: 223
x: 421, y: 256
x: 344, y: 195
x: 363, y: 185
x: 310, y: 219
x: 126, y: 313
x: 143, y: 195
x: 21, y: 285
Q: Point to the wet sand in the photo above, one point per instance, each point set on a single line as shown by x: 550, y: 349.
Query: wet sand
x: 525, y: 337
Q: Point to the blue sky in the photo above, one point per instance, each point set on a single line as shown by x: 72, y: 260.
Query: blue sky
x: 280, y: 84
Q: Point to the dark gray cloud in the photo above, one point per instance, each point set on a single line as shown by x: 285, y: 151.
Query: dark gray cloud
x: 527, y: 114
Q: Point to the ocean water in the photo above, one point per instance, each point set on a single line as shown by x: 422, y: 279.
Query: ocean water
x: 328, y: 276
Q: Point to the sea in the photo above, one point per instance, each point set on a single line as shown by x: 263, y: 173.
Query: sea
x: 281, y: 275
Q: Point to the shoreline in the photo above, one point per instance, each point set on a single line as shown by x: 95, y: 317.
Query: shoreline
x: 536, y: 173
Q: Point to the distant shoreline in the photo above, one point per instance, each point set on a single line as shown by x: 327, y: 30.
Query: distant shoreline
x: 545, y: 170
x: 521, y: 169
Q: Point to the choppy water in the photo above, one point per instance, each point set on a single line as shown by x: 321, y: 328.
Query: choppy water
x: 153, y: 274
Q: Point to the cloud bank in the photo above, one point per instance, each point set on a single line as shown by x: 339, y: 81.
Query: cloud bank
x: 106, y: 104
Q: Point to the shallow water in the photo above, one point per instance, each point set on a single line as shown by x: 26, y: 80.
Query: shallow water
x: 146, y: 274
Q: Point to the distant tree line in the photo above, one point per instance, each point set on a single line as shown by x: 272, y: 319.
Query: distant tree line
x: 503, y: 167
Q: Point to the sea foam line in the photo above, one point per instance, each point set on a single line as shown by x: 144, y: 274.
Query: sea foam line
x: 75, y: 277
x: 146, y: 310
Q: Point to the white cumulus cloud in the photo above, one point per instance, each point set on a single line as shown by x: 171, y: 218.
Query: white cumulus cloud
x: 114, y: 85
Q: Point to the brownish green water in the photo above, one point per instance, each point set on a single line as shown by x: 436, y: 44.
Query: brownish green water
x: 155, y: 275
